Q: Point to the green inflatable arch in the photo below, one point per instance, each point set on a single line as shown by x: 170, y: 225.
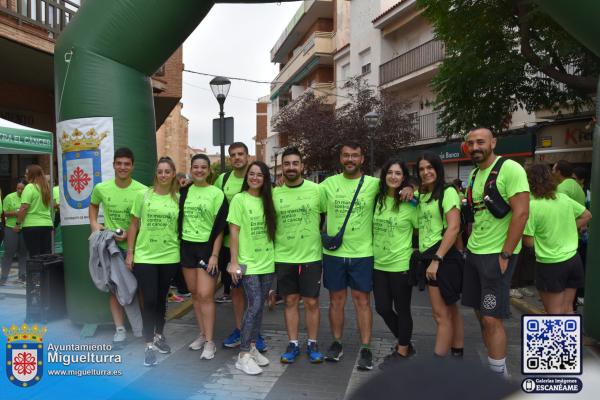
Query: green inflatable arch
x: 112, y: 48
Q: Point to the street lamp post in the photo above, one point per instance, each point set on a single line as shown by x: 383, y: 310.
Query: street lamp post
x: 372, y: 119
x: 220, y: 88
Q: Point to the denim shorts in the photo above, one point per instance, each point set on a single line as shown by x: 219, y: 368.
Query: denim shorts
x: 342, y: 272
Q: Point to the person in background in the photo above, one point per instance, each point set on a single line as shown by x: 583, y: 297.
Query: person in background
x: 581, y: 175
x: 35, y: 213
x: 252, y: 225
x: 153, y: 252
x: 563, y: 173
x: 13, y: 241
x: 554, y: 219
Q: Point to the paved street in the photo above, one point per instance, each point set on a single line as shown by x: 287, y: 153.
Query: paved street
x: 182, y: 375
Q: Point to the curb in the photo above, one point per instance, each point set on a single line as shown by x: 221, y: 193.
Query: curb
x: 180, y: 309
x: 526, y: 307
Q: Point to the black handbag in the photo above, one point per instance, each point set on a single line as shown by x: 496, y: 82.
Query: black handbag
x: 332, y: 243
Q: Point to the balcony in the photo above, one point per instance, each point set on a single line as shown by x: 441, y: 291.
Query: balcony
x: 318, y: 49
x: 49, y: 16
x: 425, y: 126
x: 308, y: 13
x: 412, y: 62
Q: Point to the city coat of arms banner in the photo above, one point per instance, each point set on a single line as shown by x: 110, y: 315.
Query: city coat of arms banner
x: 85, y: 153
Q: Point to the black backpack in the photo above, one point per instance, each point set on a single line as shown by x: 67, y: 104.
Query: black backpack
x: 492, y: 199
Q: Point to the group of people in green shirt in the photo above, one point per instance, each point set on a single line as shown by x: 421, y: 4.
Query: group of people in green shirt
x: 253, y: 234
x: 28, y: 221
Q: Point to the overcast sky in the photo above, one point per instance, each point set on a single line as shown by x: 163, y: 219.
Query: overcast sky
x: 232, y: 40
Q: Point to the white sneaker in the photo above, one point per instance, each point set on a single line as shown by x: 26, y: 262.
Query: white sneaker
x: 120, y: 335
x: 247, y: 364
x: 198, y: 343
x: 580, y: 301
x: 527, y: 292
x: 516, y: 294
x: 261, y: 360
x: 209, y: 351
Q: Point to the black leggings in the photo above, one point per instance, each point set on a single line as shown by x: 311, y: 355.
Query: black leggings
x: 38, y: 240
x: 392, y: 301
x: 154, y: 280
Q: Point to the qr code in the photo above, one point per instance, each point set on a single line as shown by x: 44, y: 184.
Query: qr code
x: 551, y: 344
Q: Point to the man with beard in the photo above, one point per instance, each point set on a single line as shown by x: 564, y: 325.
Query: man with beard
x: 352, y: 263
x: 231, y: 184
x: 494, y: 242
x: 298, y: 253
x: 116, y: 196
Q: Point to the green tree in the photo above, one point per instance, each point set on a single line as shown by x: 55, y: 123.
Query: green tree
x: 317, y: 128
x: 502, y: 55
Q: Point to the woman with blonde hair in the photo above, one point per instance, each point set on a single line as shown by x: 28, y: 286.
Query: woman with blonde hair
x: 153, y: 252
x: 35, y: 214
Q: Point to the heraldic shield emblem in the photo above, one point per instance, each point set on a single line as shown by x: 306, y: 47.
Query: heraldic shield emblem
x: 24, y: 354
x: 82, y: 164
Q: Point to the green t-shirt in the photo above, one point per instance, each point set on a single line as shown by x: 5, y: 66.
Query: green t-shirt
x: 571, y: 188
x: 489, y: 233
x: 200, y: 210
x: 392, y: 235
x: 431, y: 224
x: 232, y: 187
x: 157, y: 241
x: 12, y: 203
x: 336, y: 196
x: 37, y: 213
x: 255, y: 250
x: 56, y: 195
x: 116, y: 203
x: 298, y: 209
x: 553, y: 227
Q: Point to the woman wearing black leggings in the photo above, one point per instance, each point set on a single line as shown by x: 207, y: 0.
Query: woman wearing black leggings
x: 35, y: 215
x: 153, y: 253
x: 393, y: 224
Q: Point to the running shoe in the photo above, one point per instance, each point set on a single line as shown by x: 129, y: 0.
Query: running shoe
x: 184, y: 294
x: 314, y: 355
x: 292, y: 351
x: 335, y: 352
x: 120, y: 335
x: 394, y: 357
x: 198, y: 343
x: 149, y: 356
x: 261, y: 360
x: 223, y: 299
x: 160, y: 343
x: 527, y: 292
x: 247, y: 365
x: 209, y: 351
x: 261, y: 345
x: 365, y: 360
x: 516, y: 294
x: 173, y: 298
x: 580, y: 301
x: 233, y: 340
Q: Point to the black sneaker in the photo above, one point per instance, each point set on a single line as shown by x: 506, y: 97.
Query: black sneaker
x: 149, y: 356
x: 335, y: 352
x: 365, y: 361
x: 161, y: 344
x: 394, y: 357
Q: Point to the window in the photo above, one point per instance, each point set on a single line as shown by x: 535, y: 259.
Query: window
x: 345, y: 73
x: 365, y: 69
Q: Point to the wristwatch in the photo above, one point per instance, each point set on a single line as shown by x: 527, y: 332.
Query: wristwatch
x: 438, y: 258
x: 505, y: 255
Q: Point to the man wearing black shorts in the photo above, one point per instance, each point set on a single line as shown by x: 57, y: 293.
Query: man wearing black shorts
x: 298, y: 253
x: 494, y: 242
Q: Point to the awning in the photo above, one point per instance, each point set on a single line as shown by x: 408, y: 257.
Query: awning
x: 18, y: 139
x: 522, y: 145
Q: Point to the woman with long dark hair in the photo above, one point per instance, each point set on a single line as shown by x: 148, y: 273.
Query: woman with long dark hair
x: 153, y: 252
x: 553, y: 224
x: 252, y: 227
x: 393, y: 224
x: 35, y: 214
x: 439, y: 225
x: 202, y: 213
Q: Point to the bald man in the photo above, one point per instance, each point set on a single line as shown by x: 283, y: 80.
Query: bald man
x: 494, y: 242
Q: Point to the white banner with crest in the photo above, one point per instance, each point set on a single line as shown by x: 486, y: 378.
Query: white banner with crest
x: 85, y: 148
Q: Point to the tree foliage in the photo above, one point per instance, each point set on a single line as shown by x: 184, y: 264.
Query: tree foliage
x: 502, y: 55
x: 317, y: 128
